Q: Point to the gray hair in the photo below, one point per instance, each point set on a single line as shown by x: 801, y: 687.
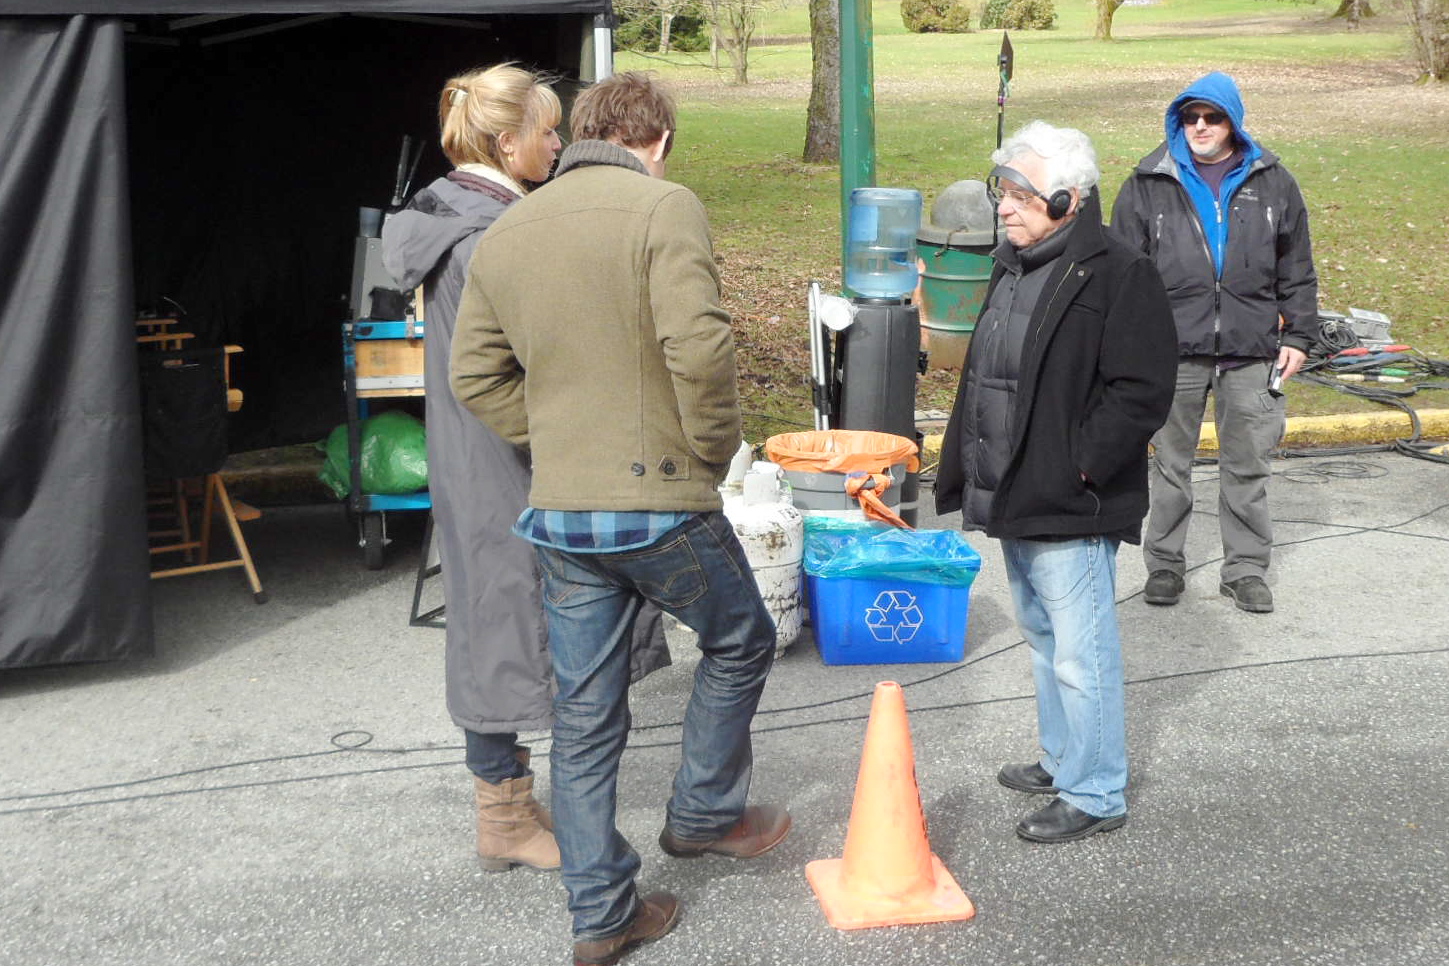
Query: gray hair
x: 1068, y: 153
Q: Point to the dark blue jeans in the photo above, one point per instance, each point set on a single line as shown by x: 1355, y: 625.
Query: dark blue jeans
x: 493, y: 757
x: 698, y: 573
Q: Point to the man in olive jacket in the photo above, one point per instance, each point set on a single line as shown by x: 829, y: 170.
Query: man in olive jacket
x: 590, y: 332
x: 1069, y: 373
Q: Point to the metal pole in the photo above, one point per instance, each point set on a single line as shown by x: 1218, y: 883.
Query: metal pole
x: 1004, y: 66
x: 857, y: 111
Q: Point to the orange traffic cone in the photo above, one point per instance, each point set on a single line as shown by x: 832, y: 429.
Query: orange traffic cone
x: 889, y: 876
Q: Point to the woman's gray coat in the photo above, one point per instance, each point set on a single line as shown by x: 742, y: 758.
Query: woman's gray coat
x: 498, y: 674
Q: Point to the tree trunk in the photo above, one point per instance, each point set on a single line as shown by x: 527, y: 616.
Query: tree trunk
x: 1429, y: 29
x: 822, y: 117
x: 1353, y: 11
x: 740, y: 19
x: 1105, y: 10
x: 666, y: 22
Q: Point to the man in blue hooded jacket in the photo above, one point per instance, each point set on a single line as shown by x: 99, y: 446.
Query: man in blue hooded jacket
x: 1225, y: 224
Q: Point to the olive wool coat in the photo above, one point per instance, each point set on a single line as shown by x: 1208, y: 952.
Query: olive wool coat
x: 498, y: 675
x: 619, y: 374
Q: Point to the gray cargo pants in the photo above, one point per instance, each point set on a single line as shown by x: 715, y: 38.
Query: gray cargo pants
x: 1249, y: 425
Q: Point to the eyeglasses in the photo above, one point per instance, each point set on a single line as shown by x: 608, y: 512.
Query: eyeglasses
x: 1213, y: 118
x: 1018, y: 198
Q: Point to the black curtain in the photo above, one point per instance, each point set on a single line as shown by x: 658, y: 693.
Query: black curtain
x: 74, y: 567
x: 249, y: 160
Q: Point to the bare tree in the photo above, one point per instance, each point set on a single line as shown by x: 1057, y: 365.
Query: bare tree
x: 1429, y: 32
x: 822, y: 117
x: 1105, y: 11
x: 712, y: 16
x: 668, y: 9
x: 1353, y: 11
x: 732, y: 25
x: 734, y: 21
x: 664, y: 11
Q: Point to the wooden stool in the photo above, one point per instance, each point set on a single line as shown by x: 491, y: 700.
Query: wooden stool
x: 185, y: 398
x: 198, y: 546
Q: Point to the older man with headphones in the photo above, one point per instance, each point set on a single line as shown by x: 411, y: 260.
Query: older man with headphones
x: 1069, y: 373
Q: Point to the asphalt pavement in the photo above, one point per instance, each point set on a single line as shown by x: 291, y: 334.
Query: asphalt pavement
x: 281, y: 784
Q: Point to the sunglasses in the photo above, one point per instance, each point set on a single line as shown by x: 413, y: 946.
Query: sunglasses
x: 1190, y: 118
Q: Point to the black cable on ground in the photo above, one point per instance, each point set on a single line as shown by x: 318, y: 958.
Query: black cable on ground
x: 358, y: 740
x: 846, y: 719
x: 1335, y: 336
x: 1330, y: 470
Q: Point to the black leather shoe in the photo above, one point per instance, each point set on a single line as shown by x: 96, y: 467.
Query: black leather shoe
x: 1250, y: 594
x: 1032, y: 779
x: 1061, y: 822
x: 1163, y: 587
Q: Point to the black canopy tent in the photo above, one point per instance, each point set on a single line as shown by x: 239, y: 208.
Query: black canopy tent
x: 211, y: 155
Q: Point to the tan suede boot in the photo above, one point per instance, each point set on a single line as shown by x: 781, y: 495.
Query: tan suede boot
x: 509, y: 829
x: 540, y: 813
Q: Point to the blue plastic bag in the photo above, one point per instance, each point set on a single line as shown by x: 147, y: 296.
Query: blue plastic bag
x: 851, y: 548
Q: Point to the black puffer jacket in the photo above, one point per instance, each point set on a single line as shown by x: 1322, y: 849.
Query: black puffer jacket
x: 1096, y: 380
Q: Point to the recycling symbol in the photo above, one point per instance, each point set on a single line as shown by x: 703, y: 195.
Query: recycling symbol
x: 894, y: 617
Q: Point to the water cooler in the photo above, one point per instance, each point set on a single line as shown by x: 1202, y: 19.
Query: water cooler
x: 878, y: 357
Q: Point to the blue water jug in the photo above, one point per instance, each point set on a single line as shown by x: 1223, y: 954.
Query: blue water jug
x: 880, y: 251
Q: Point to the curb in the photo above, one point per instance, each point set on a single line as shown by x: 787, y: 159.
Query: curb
x: 288, y: 475
x: 1306, y: 432
x: 1355, y: 429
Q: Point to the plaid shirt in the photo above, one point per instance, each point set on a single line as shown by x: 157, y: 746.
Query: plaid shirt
x: 596, y: 531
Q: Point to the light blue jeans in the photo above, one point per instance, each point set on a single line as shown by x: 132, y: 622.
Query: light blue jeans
x: 1065, y: 597
x: 698, y: 573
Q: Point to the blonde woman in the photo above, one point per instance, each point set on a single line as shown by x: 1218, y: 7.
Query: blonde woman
x: 498, y: 130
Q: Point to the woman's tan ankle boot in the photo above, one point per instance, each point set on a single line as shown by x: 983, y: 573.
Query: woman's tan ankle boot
x: 540, y: 812
x: 510, y: 831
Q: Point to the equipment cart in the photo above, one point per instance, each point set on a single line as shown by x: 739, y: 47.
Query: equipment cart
x: 380, y: 360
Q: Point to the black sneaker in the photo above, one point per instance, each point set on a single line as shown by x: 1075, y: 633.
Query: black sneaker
x: 1250, y: 594
x: 1163, y: 587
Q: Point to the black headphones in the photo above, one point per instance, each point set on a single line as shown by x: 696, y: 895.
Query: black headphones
x: 1057, y: 206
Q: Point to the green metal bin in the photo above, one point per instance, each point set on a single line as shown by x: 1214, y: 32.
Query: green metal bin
x: 953, y: 288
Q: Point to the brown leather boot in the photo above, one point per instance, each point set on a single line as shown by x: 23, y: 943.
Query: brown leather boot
x: 509, y: 830
x: 760, y: 829
x: 656, y: 915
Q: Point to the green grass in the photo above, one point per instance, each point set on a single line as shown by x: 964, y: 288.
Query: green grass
x: 1369, y: 148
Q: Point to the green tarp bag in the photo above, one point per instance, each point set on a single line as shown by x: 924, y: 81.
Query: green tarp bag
x: 394, y: 456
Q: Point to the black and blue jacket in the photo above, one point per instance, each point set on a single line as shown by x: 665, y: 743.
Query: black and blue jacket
x: 1232, y: 264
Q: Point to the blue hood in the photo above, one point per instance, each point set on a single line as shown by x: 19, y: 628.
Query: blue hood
x: 1220, y: 89
x: 1215, y: 88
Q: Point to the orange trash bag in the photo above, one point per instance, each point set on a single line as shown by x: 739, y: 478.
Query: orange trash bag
x: 868, y: 488
x: 841, y: 451
x: 864, y: 457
